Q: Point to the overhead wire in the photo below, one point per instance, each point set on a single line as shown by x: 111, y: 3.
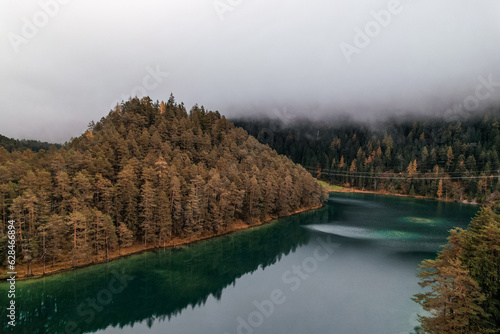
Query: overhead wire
x: 400, y: 176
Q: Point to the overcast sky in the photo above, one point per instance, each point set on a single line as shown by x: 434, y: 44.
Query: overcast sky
x: 65, y: 63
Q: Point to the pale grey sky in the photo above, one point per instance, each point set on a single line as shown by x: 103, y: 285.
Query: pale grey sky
x: 64, y: 63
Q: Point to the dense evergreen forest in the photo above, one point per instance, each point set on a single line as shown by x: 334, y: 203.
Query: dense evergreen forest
x: 463, y: 283
x: 436, y: 158
x: 148, y: 172
x: 24, y: 144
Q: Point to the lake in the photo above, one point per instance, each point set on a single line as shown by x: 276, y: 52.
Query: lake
x: 348, y: 267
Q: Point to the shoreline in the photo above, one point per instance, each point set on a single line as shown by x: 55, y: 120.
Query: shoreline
x: 236, y: 226
x: 386, y: 193
x: 136, y: 248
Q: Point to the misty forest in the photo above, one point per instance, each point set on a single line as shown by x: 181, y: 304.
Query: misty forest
x: 436, y: 157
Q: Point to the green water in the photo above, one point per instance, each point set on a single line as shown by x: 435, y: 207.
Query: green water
x: 346, y: 268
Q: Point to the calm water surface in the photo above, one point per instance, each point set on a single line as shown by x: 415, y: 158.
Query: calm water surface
x: 346, y: 268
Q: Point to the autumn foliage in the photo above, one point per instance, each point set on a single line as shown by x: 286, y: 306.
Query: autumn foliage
x: 148, y: 172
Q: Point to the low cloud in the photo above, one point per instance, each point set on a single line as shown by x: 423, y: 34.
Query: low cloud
x: 249, y: 57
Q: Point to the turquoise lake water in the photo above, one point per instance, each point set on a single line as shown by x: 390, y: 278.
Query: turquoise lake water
x: 348, y: 267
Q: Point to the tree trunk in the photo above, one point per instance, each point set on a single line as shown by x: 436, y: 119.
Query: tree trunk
x: 44, y: 251
x: 74, y: 242
x: 107, y: 250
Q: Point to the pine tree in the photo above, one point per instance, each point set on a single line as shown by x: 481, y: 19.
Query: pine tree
x: 449, y: 156
x: 62, y: 191
x: 455, y: 298
x: 439, y: 192
x: 57, y: 238
x: 195, y: 207
x: 270, y: 195
x: 163, y: 218
x: 76, y: 221
x: 253, y: 196
x: 342, y: 163
x: 148, y: 205
x: 110, y: 237
x: 104, y: 193
x: 176, y: 204
x: 285, y: 197
x: 125, y: 236
x: 127, y: 197
x: 213, y: 191
x: 482, y: 257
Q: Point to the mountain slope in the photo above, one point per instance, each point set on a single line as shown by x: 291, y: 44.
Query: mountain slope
x: 148, y: 172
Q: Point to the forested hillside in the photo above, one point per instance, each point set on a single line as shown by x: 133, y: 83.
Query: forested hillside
x: 24, y: 144
x: 457, y: 160
x: 147, y: 173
